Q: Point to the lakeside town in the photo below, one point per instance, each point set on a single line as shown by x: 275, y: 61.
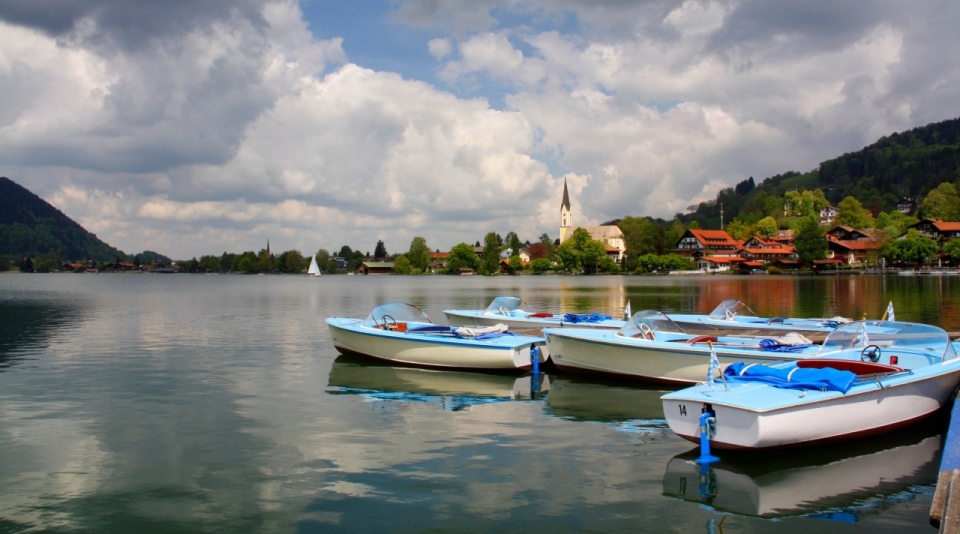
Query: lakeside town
x: 809, y: 236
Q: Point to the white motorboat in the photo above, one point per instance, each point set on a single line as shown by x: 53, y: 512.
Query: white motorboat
x: 733, y: 315
x: 869, y: 377
x: 402, y: 333
x: 516, y: 313
x: 652, y: 347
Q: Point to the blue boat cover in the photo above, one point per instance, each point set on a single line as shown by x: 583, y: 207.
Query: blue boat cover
x: 792, y: 377
x: 432, y: 329
x: 773, y: 346
x: 585, y: 317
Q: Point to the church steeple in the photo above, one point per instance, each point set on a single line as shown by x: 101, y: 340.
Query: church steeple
x: 566, y: 216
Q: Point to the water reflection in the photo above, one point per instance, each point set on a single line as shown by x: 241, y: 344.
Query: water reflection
x: 450, y: 390
x: 835, y: 484
x: 27, y: 327
x: 629, y: 407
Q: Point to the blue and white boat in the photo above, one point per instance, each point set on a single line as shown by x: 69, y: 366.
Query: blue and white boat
x: 651, y: 347
x: 515, y: 313
x: 402, y: 333
x: 869, y: 377
x: 733, y: 314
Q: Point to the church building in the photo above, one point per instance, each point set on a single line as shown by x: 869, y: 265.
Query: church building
x: 610, y: 235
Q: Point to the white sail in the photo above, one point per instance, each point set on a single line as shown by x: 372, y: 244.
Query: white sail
x: 314, y: 270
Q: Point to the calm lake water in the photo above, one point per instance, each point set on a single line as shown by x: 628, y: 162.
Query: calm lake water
x: 150, y: 403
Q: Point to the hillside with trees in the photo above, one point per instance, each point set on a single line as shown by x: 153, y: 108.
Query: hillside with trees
x: 30, y: 226
x: 908, y: 164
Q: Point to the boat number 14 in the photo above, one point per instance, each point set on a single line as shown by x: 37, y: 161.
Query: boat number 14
x: 683, y: 409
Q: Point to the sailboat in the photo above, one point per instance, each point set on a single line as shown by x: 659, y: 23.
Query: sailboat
x: 314, y: 270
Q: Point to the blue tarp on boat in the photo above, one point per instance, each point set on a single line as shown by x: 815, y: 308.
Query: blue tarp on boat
x: 774, y: 346
x: 585, y: 317
x: 792, y: 377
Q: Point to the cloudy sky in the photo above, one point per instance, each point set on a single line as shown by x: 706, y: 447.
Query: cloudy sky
x: 192, y: 127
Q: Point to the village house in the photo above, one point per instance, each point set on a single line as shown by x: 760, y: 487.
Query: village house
x: 376, y: 267
x: 828, y: 215
x: 850, y: 245
x: 695, y: 242
x: 940, y: 231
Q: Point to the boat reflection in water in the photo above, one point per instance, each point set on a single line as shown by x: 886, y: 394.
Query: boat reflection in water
x: 835, y: 484
x: 451, y: 390
x: 632, y: 407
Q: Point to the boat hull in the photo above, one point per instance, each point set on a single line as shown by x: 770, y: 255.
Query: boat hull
x: 816, y: 418
x: 509, y: 352
x: 666, y: 362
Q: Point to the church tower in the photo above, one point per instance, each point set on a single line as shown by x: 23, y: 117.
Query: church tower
x: 565, y: 215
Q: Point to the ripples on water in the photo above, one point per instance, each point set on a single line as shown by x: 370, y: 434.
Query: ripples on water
x: 217, y: 403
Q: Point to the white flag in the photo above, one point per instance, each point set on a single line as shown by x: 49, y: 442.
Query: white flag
x: 890, y: 316
x: 714, y: 365
x: 627, y: 312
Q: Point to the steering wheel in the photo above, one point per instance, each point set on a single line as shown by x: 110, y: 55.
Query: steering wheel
x: 870, y: 353
x: 646, y: 331
x: 385, y: 325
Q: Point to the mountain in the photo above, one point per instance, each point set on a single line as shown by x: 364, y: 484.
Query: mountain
x: 30, y: 226
x: 905, y: 164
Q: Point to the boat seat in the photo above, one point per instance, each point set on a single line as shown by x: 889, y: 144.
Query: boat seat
x: 702, y: 339
x: 395, y: 327
x: 857, y: 368
x: 540, y: 315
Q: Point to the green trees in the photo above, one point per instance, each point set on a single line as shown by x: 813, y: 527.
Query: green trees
x: 401, y: 265
x: 942, y: 203
x: 640, y: 236
x: 419, y: 254
x: 380, y: 251
x: 894, y: 224
x: 952, y: 250
x: 490, y: 263
x: 853, y: 214
x: 804, y: 203
x: 209, y: 263
x: 540, y: 265
x: 462, y: 256
x: 291, y: 261
x: 513, y: 241
x: 581, y: 252
x: 767, y: 227
x: 810, y: 242
x: 740, y: 230
x: 913, y: 248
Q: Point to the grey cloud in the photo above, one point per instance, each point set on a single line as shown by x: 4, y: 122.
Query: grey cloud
x: 126, y: 23
x: 810, y: 26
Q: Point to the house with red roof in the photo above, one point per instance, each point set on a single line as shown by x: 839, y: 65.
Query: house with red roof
x: 941, y: 231
x: 695, y: 242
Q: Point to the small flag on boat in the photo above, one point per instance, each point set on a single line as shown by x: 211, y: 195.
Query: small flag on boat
x: 627, y: 312
x: 714, y: 365
x: 889, y: 314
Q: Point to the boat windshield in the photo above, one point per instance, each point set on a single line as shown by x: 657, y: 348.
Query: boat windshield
x: 396, y: 312
x: 730, y: 309
x: 505, y: 305
x: 888, y: 334
x: 652, y: 320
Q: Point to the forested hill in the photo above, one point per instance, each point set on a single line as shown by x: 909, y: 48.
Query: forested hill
x: 29, y: 226
x: 906, y: 164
